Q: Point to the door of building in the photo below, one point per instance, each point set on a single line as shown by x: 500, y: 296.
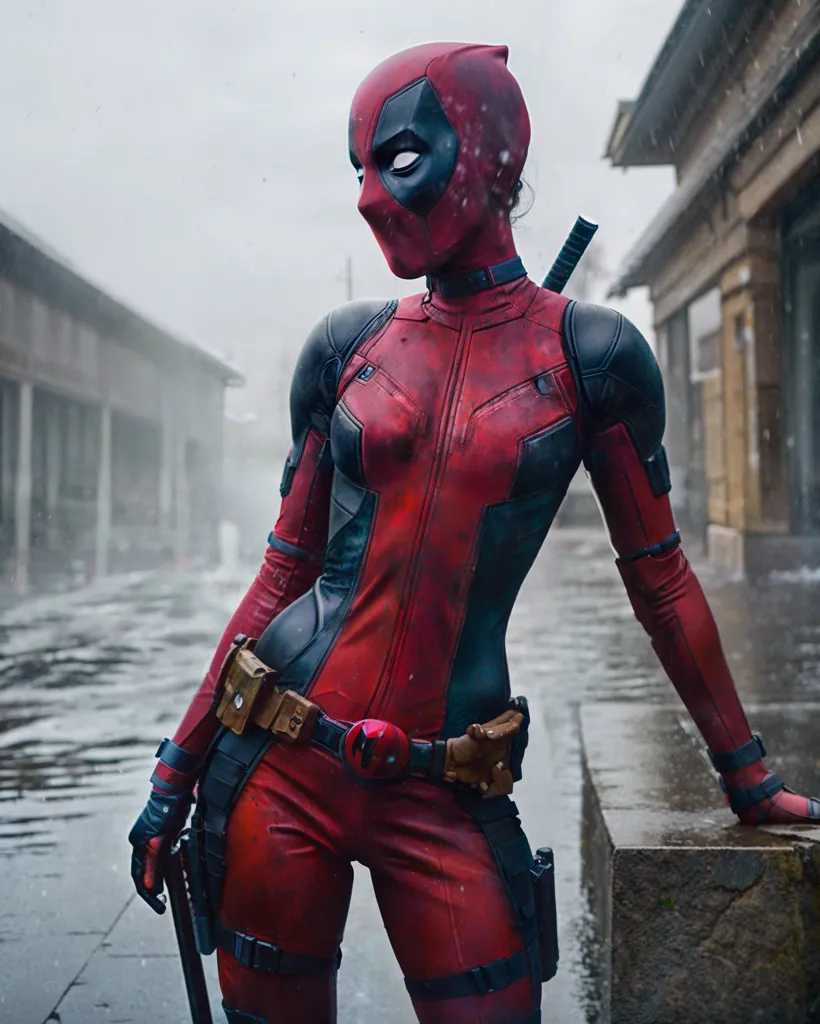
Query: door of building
x: 802, y: 308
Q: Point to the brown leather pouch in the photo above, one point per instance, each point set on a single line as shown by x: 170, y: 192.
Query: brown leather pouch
x: 247, y: 693
x: 244, y: 681
x: 293, y: 718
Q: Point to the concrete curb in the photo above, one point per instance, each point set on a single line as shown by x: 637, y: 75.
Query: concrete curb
x: 700, y: 920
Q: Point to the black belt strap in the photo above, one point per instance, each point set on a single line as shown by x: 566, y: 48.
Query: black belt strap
x: 328, y: 734
x: 750, y: 753
x: 479, y: 981
x: 427, y: 758
x: 259, y: 955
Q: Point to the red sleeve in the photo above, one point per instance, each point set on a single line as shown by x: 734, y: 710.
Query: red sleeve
x: 293, y: 561
x: 666, y: 596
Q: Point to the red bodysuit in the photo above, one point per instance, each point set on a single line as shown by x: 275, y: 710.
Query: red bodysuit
x: 433, y: 442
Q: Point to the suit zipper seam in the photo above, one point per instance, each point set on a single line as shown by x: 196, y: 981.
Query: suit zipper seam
x: 445, y: 437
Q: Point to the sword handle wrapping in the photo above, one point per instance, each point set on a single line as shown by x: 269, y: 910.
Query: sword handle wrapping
x: 567, y: 259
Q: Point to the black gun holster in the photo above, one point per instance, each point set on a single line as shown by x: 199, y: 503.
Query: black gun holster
x: 543, y: 883
x: 230, y: 763
x: 198, y: 887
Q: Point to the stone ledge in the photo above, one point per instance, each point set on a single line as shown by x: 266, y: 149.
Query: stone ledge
x: 700, y: 920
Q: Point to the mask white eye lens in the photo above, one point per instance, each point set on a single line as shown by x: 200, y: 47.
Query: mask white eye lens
x: 360, y: 174
x: 405, y: 160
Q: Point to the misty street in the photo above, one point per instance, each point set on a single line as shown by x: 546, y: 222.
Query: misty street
x: 218, y: 223
x: 90, y: 680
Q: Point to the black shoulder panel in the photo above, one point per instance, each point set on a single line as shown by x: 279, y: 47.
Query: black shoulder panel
x: 323, y: 358
x: 618, y: 377
x: 319, y: 368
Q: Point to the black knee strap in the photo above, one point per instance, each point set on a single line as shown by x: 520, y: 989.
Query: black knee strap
x: 238, y: 1017
x: 259, y: 955
x: 479, y: 981
x: 750, y: 753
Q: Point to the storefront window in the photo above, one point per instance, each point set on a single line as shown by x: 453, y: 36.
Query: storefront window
x: 705, y: 327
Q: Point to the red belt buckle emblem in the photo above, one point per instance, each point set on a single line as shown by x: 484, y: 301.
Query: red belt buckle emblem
x: 373, y: 749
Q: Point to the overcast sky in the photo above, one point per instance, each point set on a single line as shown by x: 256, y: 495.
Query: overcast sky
x: 191, y: 155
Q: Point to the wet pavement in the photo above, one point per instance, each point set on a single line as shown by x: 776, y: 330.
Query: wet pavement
x: 90, y: 681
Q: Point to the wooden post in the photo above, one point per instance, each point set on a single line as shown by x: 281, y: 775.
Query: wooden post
x: 735, y: 313
x: 53, y: 459
x: 166, y: 472
x: 104, y: 493
x: 183, y: 523
x: 22, y: 499
x: 8, y: 435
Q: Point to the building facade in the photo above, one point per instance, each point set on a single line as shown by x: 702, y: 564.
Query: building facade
x: 732, y: 262
x: 110, y: 428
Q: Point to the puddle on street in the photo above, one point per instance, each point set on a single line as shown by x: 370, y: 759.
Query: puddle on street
x: 88, y: 683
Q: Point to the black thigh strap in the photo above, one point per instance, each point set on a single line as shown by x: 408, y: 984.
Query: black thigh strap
x: 259, y: 955
x: 479, y: 981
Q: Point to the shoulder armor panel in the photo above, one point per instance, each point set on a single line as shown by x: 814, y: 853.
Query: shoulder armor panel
x: 618, y: 377
x: 323, y: 357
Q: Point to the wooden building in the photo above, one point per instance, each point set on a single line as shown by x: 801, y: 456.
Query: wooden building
x: 732, y: 261
x: 110, y: 428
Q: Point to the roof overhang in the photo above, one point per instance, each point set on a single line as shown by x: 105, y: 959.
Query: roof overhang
x: 27, y: 260
x: 692, y: 57
x: 758, y: 107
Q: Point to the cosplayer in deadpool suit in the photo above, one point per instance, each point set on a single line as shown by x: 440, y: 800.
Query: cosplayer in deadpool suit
x: 433, y: 441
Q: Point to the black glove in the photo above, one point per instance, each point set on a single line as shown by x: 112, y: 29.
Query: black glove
x: 161, y: 821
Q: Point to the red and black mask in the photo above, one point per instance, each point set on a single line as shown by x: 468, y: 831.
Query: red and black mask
x: 439, y: 135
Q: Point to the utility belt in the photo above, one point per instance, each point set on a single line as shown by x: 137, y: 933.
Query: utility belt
x: 487, y: 757
x: 481, y: 766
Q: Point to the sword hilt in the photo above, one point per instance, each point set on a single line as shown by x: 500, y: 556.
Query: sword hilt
x: 571, y: 252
